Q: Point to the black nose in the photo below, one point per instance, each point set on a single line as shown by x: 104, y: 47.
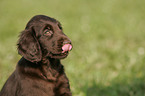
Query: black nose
x: 66, y: 42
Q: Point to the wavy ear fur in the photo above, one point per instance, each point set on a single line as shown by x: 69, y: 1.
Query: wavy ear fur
x: 28, y: 46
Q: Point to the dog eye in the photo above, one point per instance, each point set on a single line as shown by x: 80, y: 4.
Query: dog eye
x: 48, y: 32
x: 59, y: 26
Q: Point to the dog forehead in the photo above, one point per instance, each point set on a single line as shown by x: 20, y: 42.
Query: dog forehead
x: 41, y: 19
x: 48, y: 22
x: 55, y: 25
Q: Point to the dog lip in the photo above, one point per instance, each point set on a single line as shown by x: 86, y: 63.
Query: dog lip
x: 60, y: 56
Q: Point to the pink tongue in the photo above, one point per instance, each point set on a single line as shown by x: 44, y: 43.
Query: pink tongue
x: 66, y: 47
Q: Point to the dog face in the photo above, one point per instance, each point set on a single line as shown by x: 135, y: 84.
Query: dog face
x: 43, y: 37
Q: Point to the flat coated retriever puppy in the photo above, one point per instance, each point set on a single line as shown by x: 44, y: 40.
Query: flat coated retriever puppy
x: 40, y: 72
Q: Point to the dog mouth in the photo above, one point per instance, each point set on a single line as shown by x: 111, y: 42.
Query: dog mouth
x: 59, y: 55
x: 66, y: 48
x: 63, y: 53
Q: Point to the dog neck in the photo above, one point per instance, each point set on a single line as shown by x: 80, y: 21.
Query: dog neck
x: 48, y: 69
x: 51, y: 68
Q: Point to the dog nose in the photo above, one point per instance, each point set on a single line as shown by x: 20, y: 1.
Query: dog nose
x: 67, y: 42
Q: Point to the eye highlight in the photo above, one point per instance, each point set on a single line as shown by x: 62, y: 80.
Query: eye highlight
x: 48, y: 31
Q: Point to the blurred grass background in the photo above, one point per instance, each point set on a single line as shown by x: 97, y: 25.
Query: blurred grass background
x: 108, y: 56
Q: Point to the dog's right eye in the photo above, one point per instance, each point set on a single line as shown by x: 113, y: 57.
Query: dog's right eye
x: 48, y: 32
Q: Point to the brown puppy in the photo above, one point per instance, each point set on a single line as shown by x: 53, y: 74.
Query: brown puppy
x: 40, y: 72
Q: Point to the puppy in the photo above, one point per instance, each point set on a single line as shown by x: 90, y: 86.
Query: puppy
x: 39, y: 72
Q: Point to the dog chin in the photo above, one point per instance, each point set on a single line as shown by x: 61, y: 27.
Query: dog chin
x: 58, y: 56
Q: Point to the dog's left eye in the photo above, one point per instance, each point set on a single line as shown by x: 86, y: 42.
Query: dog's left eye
x: 48, y: 32
x: 59, y: 26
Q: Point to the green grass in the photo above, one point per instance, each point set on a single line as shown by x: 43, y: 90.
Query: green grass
x: 108, y: 36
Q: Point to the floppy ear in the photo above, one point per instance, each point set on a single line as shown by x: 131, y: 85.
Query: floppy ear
x: 28, y: 46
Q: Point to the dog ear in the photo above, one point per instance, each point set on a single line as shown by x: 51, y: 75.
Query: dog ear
x: 28, y: 45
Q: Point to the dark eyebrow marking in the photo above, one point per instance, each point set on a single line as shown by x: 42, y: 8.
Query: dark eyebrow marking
x: 48, y: 25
